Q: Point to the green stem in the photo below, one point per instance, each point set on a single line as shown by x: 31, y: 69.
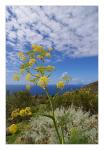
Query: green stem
x: 50, y: 101
x: 54, y: 120
x: 55, y: 124
x: 63, y: 141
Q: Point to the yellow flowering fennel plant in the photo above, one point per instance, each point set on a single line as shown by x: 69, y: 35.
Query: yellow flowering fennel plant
x: 35, y: 70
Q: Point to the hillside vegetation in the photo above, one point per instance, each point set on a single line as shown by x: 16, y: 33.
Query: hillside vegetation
x: 93, y: 86
x: 75, y: 111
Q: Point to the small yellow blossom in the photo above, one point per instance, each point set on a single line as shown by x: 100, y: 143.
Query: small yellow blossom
x: 28, y: 77
x: 43, y: 81
x: 50, y: 49
x: 22, y: 113
x: 16, y: 77
x: 32, y: 61
x: 60, y: 84
x: 28, y: 111
x: 12, y: 129
x: 48, y: 55
x: 28, y: 108
x: 21, y: 55
x: 25, y: 112
x: 37, y: 48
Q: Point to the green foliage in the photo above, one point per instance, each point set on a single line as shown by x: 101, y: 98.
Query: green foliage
x: 74, y: 125
x: 23, y: 126
x: 19, y: 99
x: 85, y: 99
x: 11, y: 138
x: 79, y: 98
x: 77, y: 136
x: 78, y: 128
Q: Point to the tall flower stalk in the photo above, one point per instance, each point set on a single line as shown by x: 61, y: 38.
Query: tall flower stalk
x: 36, y: 71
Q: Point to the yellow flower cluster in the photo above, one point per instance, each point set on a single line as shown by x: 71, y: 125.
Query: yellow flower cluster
x: 12, y: 129
x: 25, y: 112
x: 28, y: 77
x: 42, y: 72
x: 40, y: 57
x: 16, y: 77
x: 15, y: 113
x: 37, y: 48
x: 47, y: 68
x: 21, y: 112
x: 32, y: 61
x: 60, y: 84
x: 50, y: 68
x: 48, y: 55
x: 40, y: 68
x: 43, y: 81
x: 21, y: 55
x: 50, y: 49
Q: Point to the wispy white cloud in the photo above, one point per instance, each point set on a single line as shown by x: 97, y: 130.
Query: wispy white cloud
x: 71, y: 30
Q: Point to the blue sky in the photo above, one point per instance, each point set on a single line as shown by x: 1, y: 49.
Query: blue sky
x: 72, y: 31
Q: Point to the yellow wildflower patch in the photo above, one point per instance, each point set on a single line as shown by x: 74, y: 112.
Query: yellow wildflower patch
x: 12, y: 129
x: 28, y: 111
x: 22, y: 113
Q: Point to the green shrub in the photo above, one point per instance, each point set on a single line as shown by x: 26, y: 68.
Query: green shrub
x: 83, y: 98
x: 79, y: 98
x: 78, y: 127
x: 77, y: 136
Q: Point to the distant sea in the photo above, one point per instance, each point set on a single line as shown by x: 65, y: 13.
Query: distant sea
x: 35, y: 90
